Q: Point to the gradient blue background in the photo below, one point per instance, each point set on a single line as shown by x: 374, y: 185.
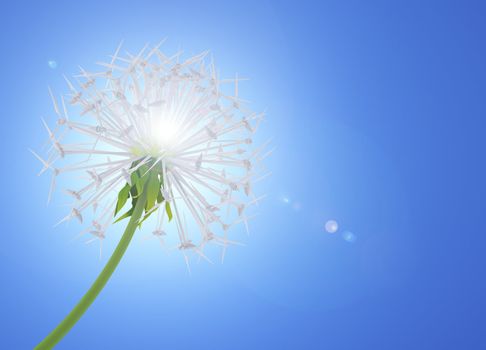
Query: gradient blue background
x: 377, y: 109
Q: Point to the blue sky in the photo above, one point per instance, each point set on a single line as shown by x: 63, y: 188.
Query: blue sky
x: 377, y: 113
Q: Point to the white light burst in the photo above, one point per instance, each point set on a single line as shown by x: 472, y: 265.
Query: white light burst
x: 151, y: 114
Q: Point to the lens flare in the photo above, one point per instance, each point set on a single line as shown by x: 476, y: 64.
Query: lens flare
x: 331, y: 226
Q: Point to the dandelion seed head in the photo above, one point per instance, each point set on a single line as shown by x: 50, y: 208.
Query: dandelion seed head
x: 154, y: 114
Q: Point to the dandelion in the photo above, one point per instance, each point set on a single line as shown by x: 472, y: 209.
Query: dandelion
x: 152, y: 134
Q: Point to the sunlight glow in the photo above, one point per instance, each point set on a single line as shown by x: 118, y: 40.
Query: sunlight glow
x: 164, y: 133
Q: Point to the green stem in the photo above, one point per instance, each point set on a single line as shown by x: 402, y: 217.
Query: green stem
x: 70, y: 320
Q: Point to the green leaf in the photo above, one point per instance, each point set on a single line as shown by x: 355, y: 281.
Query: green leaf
x: 149, y: 178
x: 168, y: 210
x: 153, y: 188
x: 145, y: 217
x: 138, y: 185
x: 124, y: 216
x: 123, y: 196
x: 136, y: 182
x: 160, y: 197
x: 141, y: 178
x: 133, y: 192
x: 142, y: 170
x: 134, y: 177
